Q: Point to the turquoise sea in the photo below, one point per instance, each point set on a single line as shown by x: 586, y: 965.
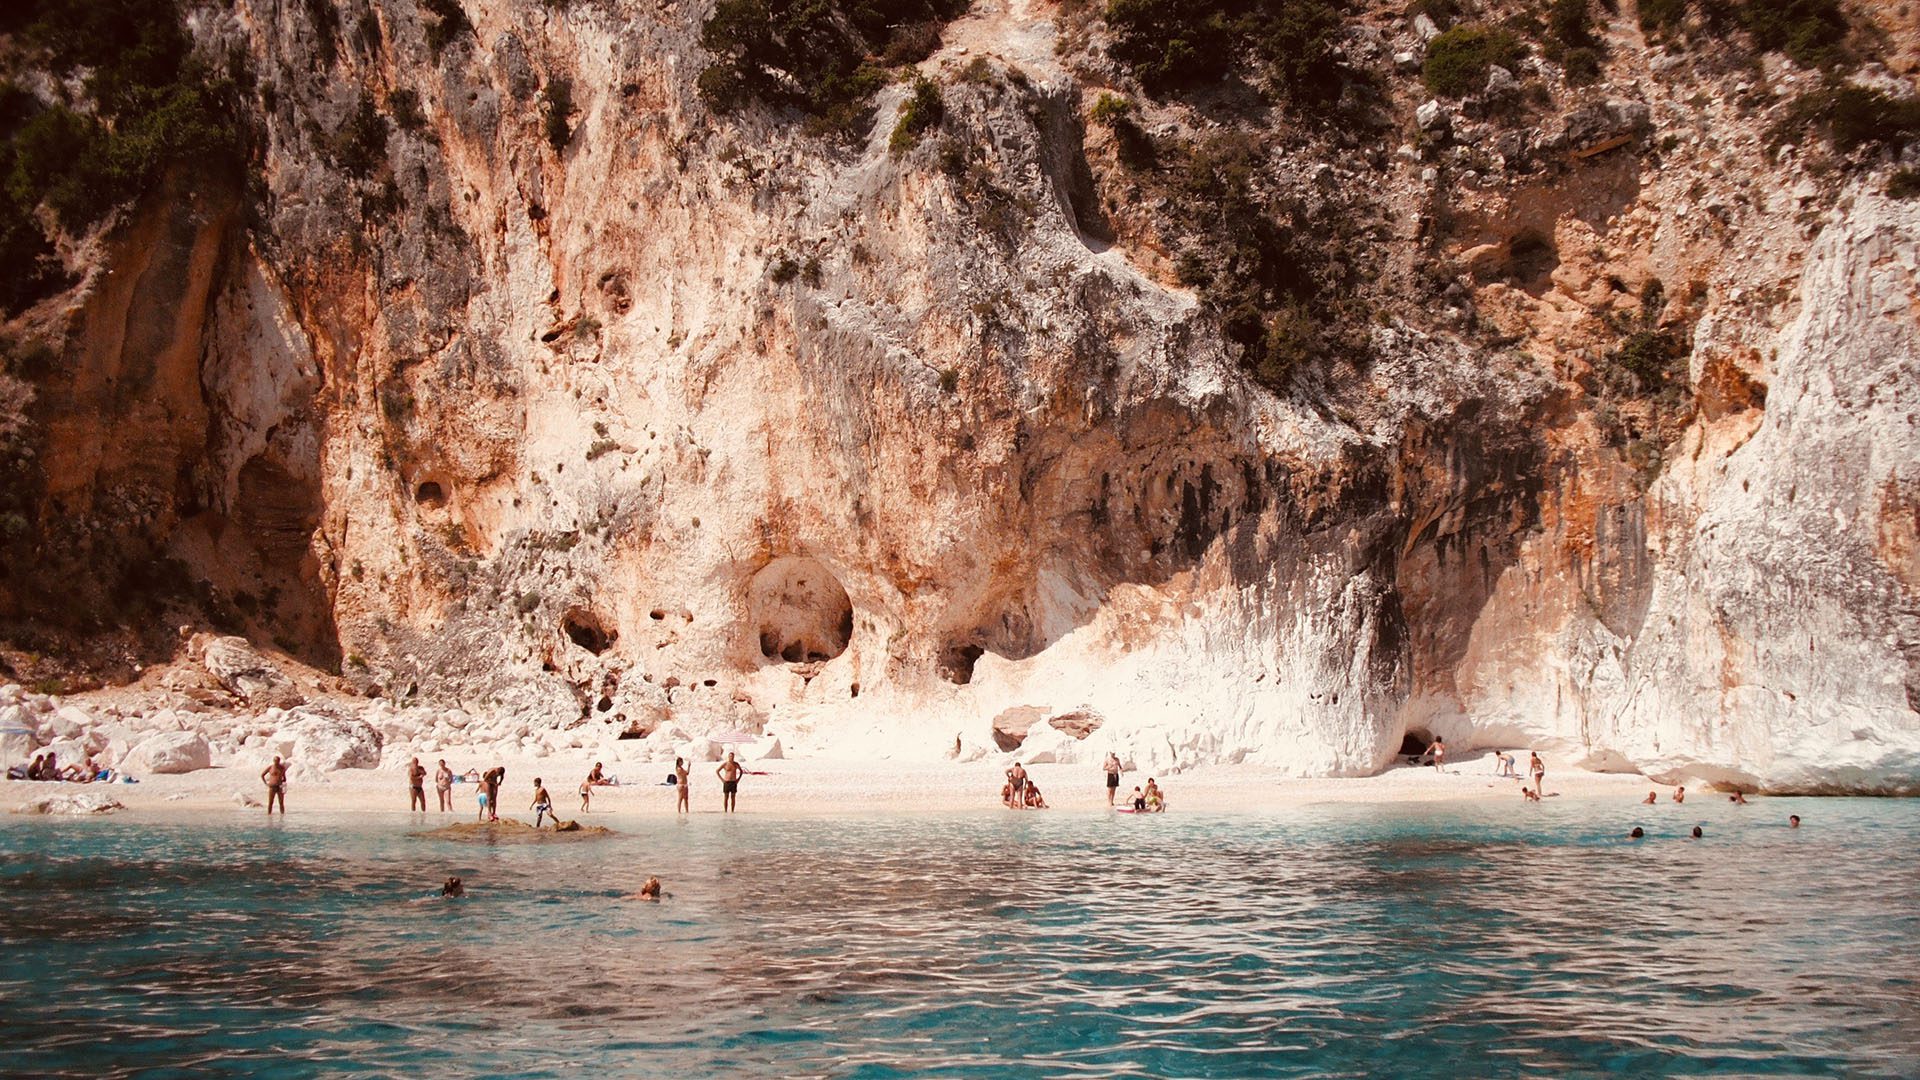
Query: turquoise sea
x: 1506, y: 940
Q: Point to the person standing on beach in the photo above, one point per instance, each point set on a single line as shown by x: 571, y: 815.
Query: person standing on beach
x: 729, y: 773
x: 542, y: 805
x: 683, y: 778
x: 494, y: 778
x: 417, y: 786
x: 1539, y: 770
x: 1438, y: 751
x: 443, y: 785
x: 1112, y: 769
x: 275, y: 776
x: 1017, y: 776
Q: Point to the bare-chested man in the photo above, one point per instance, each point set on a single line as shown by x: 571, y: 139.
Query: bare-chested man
x: 684, y: 777
x: 443, y: 785
x: 1112, y: 769
x: 492, y: 780
x: 729, y: 773
x: 542, y: 804
x: 275, y: 776
x: 417, y: 786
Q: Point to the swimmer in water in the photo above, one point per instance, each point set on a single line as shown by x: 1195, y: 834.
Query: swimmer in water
x: 453, y: 889
x: 1738, y: 797
x: 1793, y: 821
x: 1637, y: 833
x: 1652, y: 797
x: 1697, y: 834
x: 649, y: 891
x: 1680, y: 795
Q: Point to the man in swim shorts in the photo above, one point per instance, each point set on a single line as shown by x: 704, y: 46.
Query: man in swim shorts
x: 417, y: 786
x: 729, y: 773
x: 1112, y: 769
x: 275, y: 776
x: 443, y: 785
x: 542, y: 805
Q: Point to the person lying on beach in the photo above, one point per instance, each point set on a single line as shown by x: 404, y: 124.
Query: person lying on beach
x: 1033, y: 798
x: 542, y: 804
x: 471, y: 776
x: 1652, y: 797
x: 84, y: 773
x: 1139, y: 800
x: 599, y: 778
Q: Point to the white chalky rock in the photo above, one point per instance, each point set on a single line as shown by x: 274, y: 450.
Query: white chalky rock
x: 172, y: 752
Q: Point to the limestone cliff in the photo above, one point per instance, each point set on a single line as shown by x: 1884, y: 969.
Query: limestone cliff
x: 515, y: 377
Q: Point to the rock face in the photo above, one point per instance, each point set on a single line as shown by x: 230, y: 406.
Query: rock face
x: 689, y: 423
x: 77, y: 803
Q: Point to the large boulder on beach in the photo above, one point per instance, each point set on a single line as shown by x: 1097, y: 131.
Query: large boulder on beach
x: 172, y: 752
x: 321, y: 743
x: 17, y: 745
x: 245, y: 673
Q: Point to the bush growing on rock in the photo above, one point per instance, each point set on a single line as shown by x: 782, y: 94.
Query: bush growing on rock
x: 1181, y: 44
x: 1459, y: 59
x: 558, y: 100
x: 815, y: 55
x: 1812, y: 33
x: 921, y: 114
x: 1851, y: 117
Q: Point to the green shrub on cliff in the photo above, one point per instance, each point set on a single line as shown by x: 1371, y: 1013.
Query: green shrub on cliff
x: 1458, y: 60
x: 1851, y: 117
x: 824, y: 58
x: 1177, y: 45
x: 921, y: 114
x: 1812, y: 33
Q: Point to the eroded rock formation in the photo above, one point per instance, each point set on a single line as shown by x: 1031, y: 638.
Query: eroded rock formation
x: 689, y: 423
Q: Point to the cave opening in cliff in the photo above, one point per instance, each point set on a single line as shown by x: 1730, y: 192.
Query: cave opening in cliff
x: 586, y: 630
x: 800, y: 613
x: 1415, y: 742
x: 430, y: 494
x: 956, y: 664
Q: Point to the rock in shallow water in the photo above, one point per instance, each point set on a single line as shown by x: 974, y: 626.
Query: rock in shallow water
x: 86, y: 802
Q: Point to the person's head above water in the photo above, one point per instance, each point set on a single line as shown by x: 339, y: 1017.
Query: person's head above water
x: 651, y: 889
x: 453, y: 887
x: 1697, y: 834
x: 1793, y: 821
x: 1637, y: 832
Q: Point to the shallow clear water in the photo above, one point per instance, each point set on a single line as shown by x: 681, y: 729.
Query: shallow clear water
x: 1479, y: 941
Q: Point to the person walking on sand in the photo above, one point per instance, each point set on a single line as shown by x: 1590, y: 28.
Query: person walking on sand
x: 683, y: 779
x: 416, y: 786
x: 443, y: 786
x: 1112, y: 769
x: 275, y: 776
x: 1438, y: 751
x: 542, y: 805
x: 1539, y: 770
x: 729, y: 774
x: 586, y: 793
x: 1017, y: 776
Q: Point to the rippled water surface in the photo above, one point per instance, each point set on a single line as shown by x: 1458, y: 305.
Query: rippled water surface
x: 1475, y: 941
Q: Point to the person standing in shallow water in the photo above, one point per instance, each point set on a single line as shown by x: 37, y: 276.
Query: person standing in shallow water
x: 1539, y: 770
x: 683, y: 776
x: 1112, y: 769
x: 416, y: 786
x: 494, y: 778
x: 729, y: 774
x: 542, y: 804
x: 443, y: 786
x: 275, y: 776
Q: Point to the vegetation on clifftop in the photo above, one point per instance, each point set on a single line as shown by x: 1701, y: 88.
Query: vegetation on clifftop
x: 824, y: 58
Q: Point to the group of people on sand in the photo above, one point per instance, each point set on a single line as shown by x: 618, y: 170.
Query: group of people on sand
x: 47, y: 768
x: 489, y: 783
x: 1021, y: 793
